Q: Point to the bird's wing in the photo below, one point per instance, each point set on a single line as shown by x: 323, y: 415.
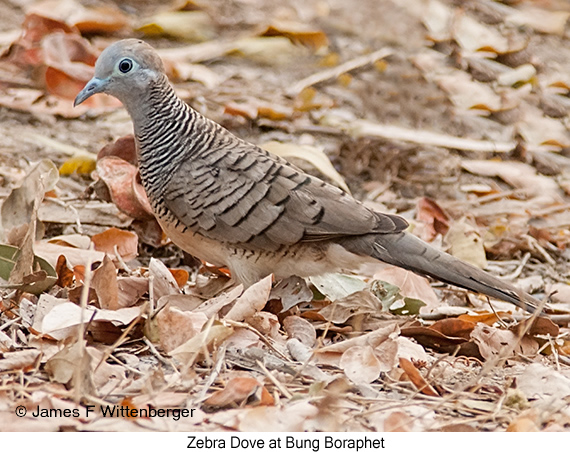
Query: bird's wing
x: 246, y: 196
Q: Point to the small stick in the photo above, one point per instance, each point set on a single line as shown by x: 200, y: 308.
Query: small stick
x: 337, y: 71
x: 274, y: 380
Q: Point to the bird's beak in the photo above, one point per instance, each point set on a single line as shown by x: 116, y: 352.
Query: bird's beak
x: 94, y: 86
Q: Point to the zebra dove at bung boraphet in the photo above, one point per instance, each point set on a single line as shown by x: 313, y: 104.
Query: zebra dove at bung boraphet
x: 233, y: 204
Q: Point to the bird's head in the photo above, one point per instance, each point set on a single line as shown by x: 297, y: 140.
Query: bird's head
x: 124, y: 70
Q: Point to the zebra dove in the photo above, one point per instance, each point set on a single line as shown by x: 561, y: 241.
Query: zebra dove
x: 233, y: 204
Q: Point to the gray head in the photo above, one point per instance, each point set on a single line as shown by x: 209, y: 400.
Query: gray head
x: 124, y: 70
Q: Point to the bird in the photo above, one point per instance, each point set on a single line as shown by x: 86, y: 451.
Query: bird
x: 233, y: 204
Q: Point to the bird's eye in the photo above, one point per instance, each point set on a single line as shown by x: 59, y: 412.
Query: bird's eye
x: 125, y: 65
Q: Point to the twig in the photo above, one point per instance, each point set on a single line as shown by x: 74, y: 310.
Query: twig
x: 123, y: 335
x: 554, y: 353
x: 126, y: 366
x: 495, y: 312
x: 78, y: 381
x: 493, y: 197
x: 69, y: 206
x: 559, y: 319
x: 10, y: 322
x: 213, y: 374
x: 120, y: 260
x: 274, y: 380
x: 158, y: 356
x: 493, y: 363
x: 361, y: 128
x: 260, y: 335
x: 532, y: 242
x: 518, y: 270
x: 337, y: 71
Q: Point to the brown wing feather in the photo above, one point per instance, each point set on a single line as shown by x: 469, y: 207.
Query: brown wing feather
x: 248, y: 197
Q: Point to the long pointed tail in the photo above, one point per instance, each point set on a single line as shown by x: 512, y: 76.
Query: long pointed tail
x: 407, y: 251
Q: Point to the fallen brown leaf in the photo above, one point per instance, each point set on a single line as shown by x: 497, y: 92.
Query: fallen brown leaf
x: 105, y: 284
x: 116, y: 241
x: 176, y: 327
x: 251, y: 301
x: 238, y: 391
x: 416, y: 378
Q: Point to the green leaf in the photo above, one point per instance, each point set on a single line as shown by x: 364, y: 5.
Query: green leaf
x: 9, y: 256
x: 411, y: 307
x: 393, y: 301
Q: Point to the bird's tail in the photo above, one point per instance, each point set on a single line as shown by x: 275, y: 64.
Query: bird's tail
x: 407, y: 251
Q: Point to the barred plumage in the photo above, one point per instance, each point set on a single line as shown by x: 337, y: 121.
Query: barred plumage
x: 231, y: 203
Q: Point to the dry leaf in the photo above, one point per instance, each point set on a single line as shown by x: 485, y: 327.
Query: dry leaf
x: 523, y: 423
x: 212, y: 306
x: 131, y: 289
x: 438, y: 341
x: 434, y: 217
x: 114, y: 240
x: 466, y: 244
x: 541, y: 382
x: 416, y: 378
x: 488, y: 318
x: 18, y: 206
x: 205, y: 340
x: 300, y: 329
x: 298, y: 33
x: 126, y: 192
x: 176, y: 327
x: 187, y: 71
x: 251, y: 301
x: 51, y: 252
x: 240, y: 391
x: 299, y: 351
x: 518, y: 174
x: 243, y: 339
x: 398, y: 421
x: 444, y: 24
x: 273, y: 51
x: 180, y: 276
x: 373, y: 339
x: 336, y: 286
x: 411, y: 286
x: 79, y: 164
x: 99, y: 19
x: 65, y: 315
x: 69, y: 64
x: 387, y: 352
x: 517, y: 76
x: 553, y: 22
x: 105, y: 284
x: 266, y: 323
x: 539, y: 130
x: 468, y: 94
x: 360, y: 364
x: 493, y: 342
x: 356, y: 304
x: 71, y: 363
x: 23, y: 360
x: 187, y: 25
x: 291, y: 291
x: 163, y: 282
x: 123, y: 148
x: 411, y: 350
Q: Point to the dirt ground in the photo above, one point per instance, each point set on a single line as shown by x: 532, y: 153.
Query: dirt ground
x: 495, y: 75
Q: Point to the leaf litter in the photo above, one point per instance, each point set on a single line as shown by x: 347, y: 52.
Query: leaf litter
x: 457, y: 122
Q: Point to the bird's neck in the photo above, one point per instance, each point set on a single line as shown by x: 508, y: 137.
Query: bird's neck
x: 158, y: 107
x: 167, y: 130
